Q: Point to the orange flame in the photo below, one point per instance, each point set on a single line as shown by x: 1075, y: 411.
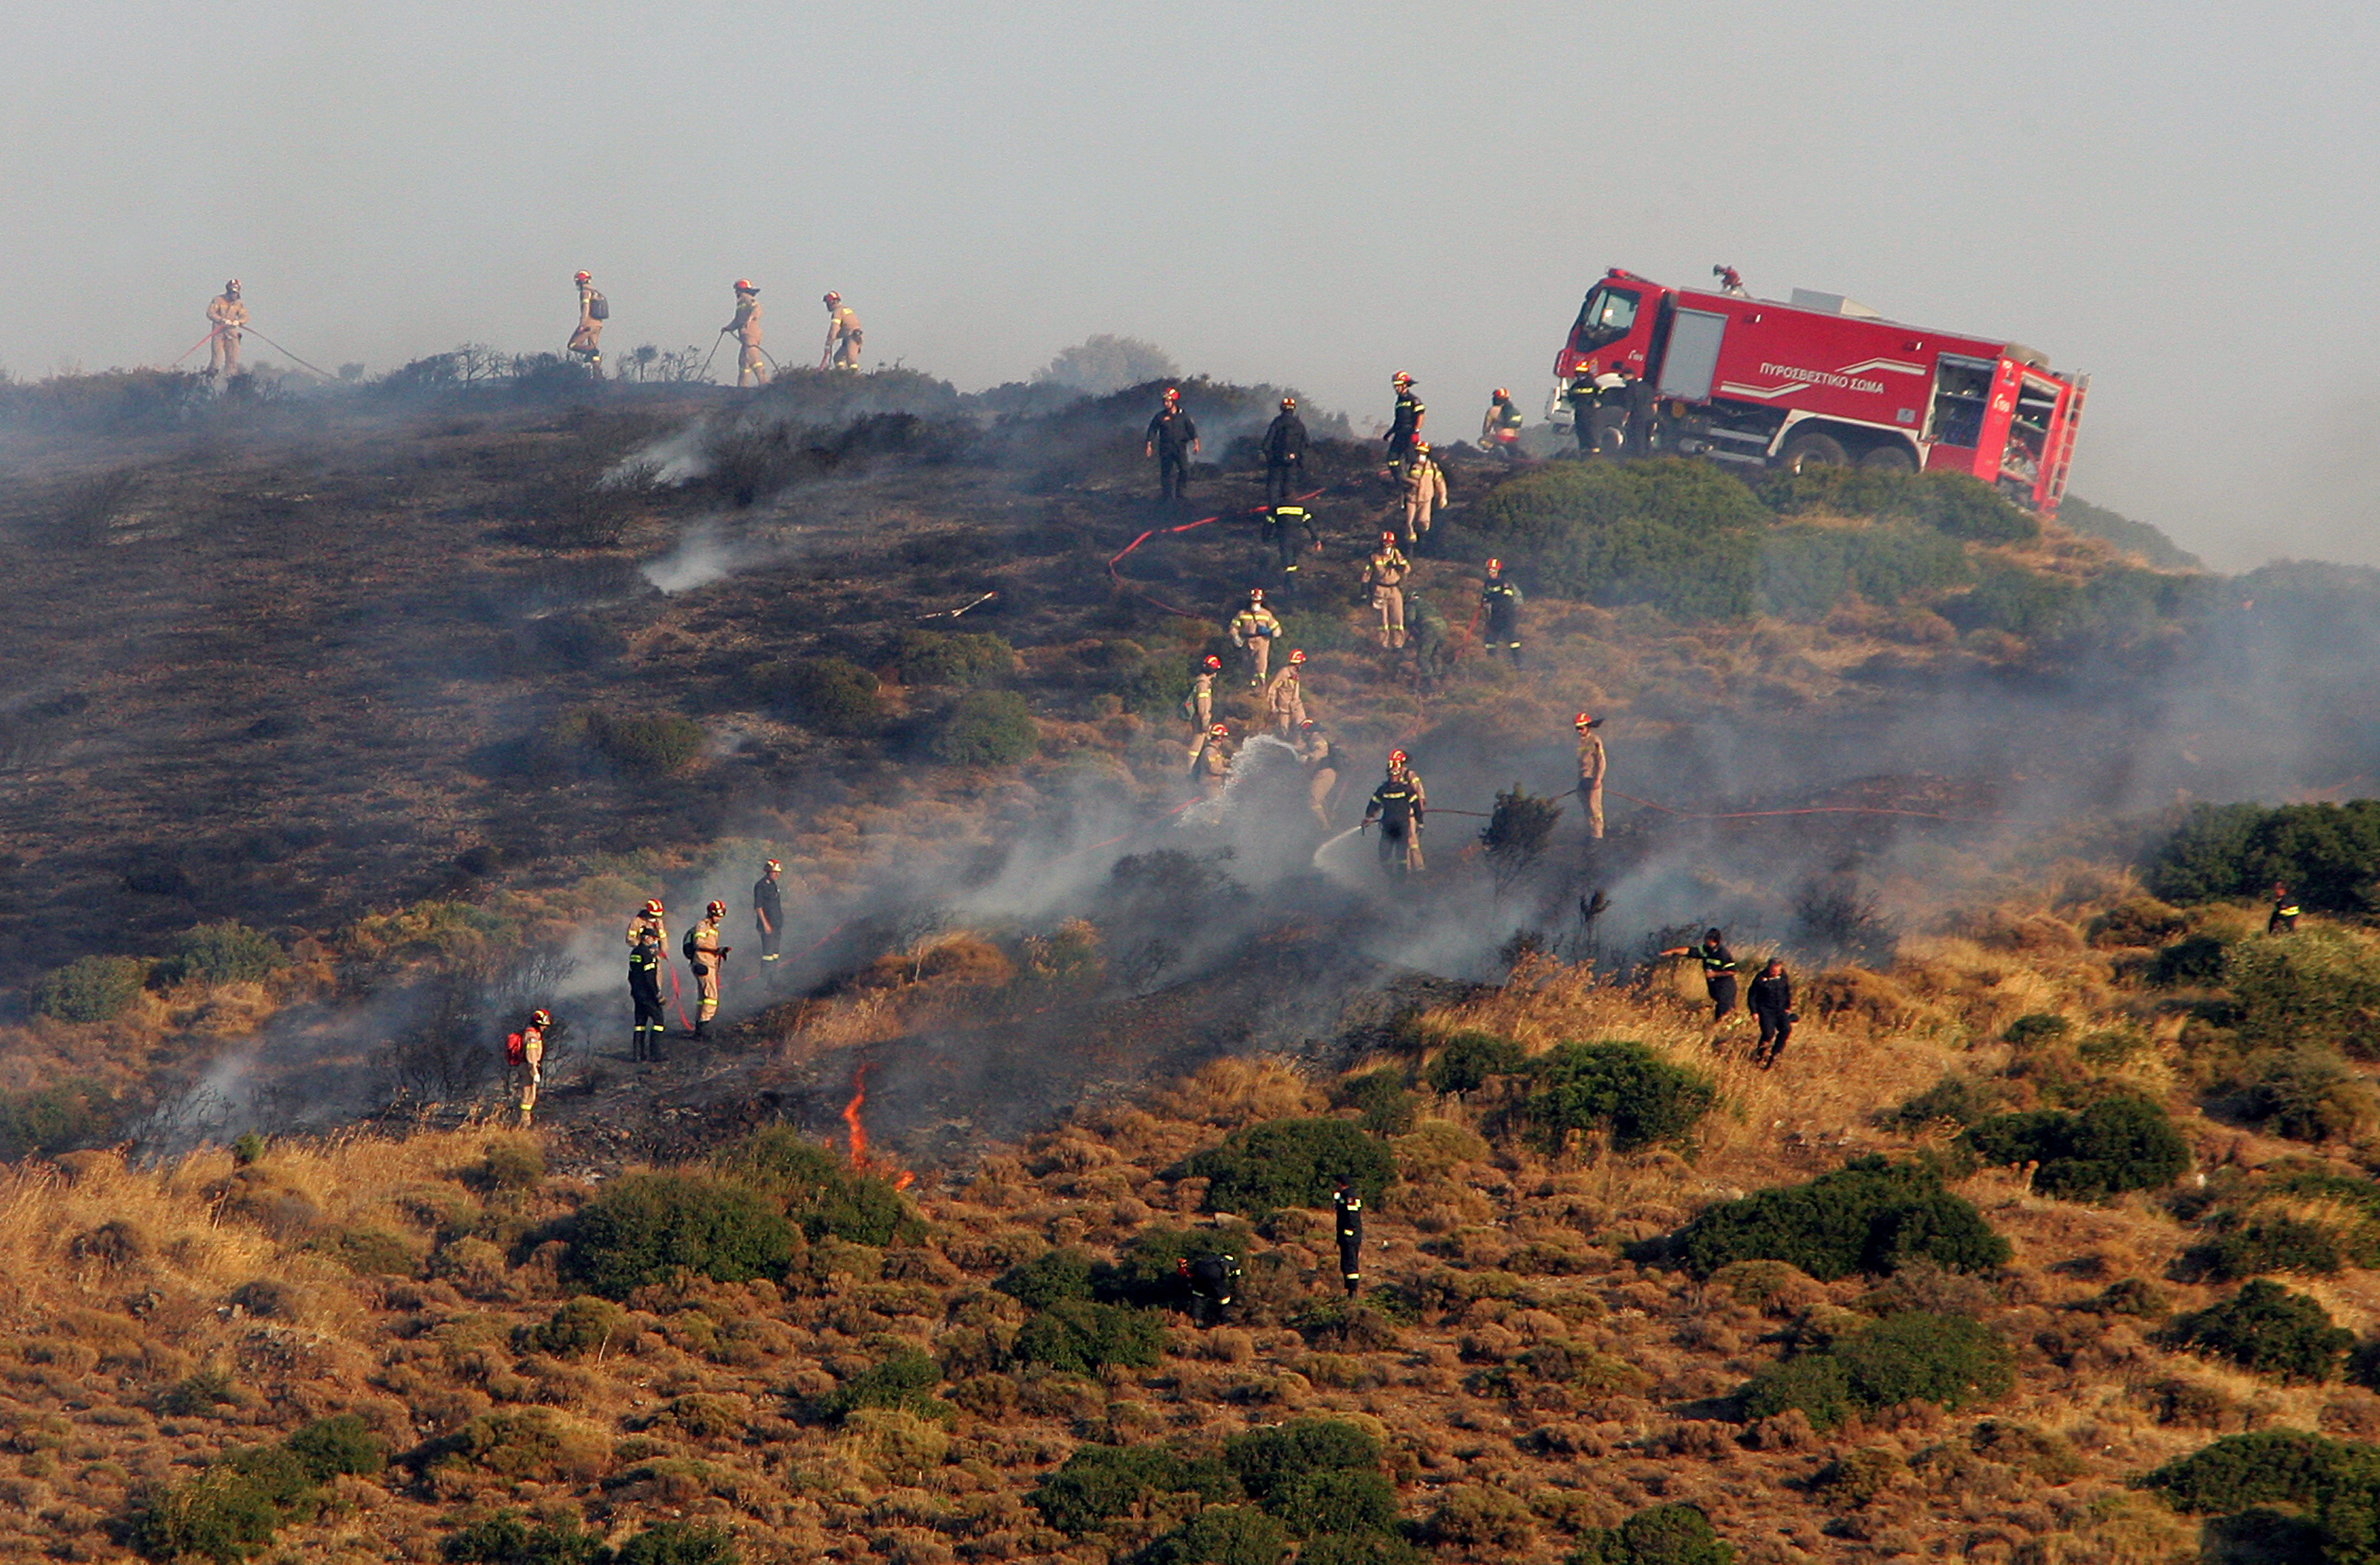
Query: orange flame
x: 901, y: 1177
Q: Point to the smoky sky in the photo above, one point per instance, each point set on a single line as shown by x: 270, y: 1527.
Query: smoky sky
x: 2177, y: 199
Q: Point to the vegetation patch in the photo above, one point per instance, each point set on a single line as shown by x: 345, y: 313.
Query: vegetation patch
x: 1658, y: 1534
x: 1870, y: 1214
x: 1290, y: 1163
x: 2323, y: 852
x: 986, y: 728
x: 830, y: 696
x: 2119, y: 1143
x: 1624, y: 1090
x: 231, y: 1510
x: 648, y: 1228
x: 1466, y: 1062
x: 2267, y: 1330
x: 1914, y: 1357
x: 1677, y: 535
x: 818, y: 1191
x: 1100, y: 1485
x: 89, y: 988
x: 1082, y: 1337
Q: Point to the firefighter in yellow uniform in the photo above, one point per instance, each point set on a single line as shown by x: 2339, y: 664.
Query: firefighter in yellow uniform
x: 1210, y: 759
x: 842, y: 335
x: 1501, y: 430
x: 750, y: 364
x: 587, y: 340
x: 705, y: 954
x: 1198, y: 706
x: 1424, y: 491
x: 226, y: 313
x: 1592, y: 765
x: 532, y: 1062
x: 1385, y: 574
x: 1284, y: 702
x: 1253, y: 630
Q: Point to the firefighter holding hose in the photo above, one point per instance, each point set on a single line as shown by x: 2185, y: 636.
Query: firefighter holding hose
x: 226, y: 314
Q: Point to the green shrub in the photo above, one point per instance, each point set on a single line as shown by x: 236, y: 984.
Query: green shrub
x: 825, y: 695
x: 2263, y: 1467
x: 1222, y: 1534
x: 660, y: 745
x: 1955, y: 505
x: 1806, y: 570
x: 1098, y: 1485
x: 1660, y: 1535
x: 986, y: 728
x: 646, y: 1228
x: 2320, y: 987
x: 89, y: 988
x: 341, y: 1444
x: 1625, y: 1089
x: 678, y: 1542
x: 2194, y: 960
x: 56, y: 1118
x: 1049, y: 1277
x: 818, y: 1190
x: 2323, y: 852
x: 1467, y: 1059
x: 492, y: 1540
x: 927, y: 657
x: 905, y: 1380
x: 2037, y: 1026
x: 2270, y: 1242
x: 1678, y: 536
x: 1081, y: 1337
x: 1380, y: 1099
x: 506, y: 1540
x: 1870, y: 1216
x: 369, y: 1252
x: 1314, y: 631
x: 230, y: 1511
x: 227, y: 953
x: 1913, y: 1356
x: 533, y: 1445
x: 1144, y: 1273
x: 1272, y: 1463
x: 578, y: 1327
x: 2119, y: 1143
x: 2144, y: 539
x: 513, y: 1165
x: 2267, y: 1330
x: 1961, y: 1100
x: 1289, y: 1163
x: 1358, y: 1548
x: 2021, y: 602
x: 2306, y: 1095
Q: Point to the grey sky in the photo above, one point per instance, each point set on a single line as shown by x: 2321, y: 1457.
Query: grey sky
x: 2177, y: 199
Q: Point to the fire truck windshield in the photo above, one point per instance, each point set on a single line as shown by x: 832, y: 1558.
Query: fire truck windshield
x: 1605, y: 318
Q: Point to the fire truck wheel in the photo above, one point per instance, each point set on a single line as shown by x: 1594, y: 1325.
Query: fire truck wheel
x: 1893, y: 457
x: 1813, y: 449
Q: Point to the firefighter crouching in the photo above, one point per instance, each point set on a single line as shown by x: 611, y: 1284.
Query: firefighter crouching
x: 1210, y: 759
x: 1253, y: 630
x: 2284, y: 912
x: 1499, y: 432
x: 1385, y: 574
x: 704, y: 955
x: 647, y: 945
x: 842, y: 335
x: 1212, y: 1280
x: 1399, y: 806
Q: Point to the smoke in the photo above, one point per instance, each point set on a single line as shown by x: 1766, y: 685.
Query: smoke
x: 701, y: 558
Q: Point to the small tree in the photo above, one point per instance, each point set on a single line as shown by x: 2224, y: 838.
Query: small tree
x: 1516, y: 834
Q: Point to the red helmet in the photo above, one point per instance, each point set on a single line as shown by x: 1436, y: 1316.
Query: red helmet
x: 1172, y: 393
x: 1296, y: 655
x: 1255, y: 594
x: 1396, y: 759
x: 1214, y: 662
x: 773, y: 865
x: 716, y: 910
x: 833, y: 297
x: 232, y: 286
x: 1501, y: 393
x: 1495, y: 564
x: 582, y: 277
x: 744, y: 285
x: 1401, y: 379
x: 1289, y: 404
x: 541, y: 1018
x: 652, y: 909
x: 1387, y: 537
x: 1220, y: 732
x: 1585, y: 720
x: 1305, y: 722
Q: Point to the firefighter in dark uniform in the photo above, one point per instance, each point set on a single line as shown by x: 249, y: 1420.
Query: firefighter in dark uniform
x: 1398, y: 805
x: 1350, y: 1209
x: 768, y: 910
x: 1771, y: 1001
x: 1405, y: 423
x: 2284, y: 912
x: 1284, y: 452
x: 647, y: 945
x: 1290, y: 529
x: 1581, y: 397
x: 1172, y: 439
x: 1642, y: 407
x: 1719, y: 972
x: 1213, y: 1281
x: 1501, y: 600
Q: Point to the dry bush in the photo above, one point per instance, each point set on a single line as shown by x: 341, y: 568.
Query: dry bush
x: 1233, y: 1092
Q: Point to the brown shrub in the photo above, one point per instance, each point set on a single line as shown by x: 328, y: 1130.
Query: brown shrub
x: 1473, y: 1516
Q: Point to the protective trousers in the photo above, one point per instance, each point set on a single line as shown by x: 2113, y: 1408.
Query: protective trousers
x: 1259, y: 658
x: 1776, y: 1030
x: 1325, y: 784
x: 1721, y: 988
x: 1280, y: 481
x: 752, y: 368
x: 1400, y: 848
x: 1504, y: 630
x: 1391, y: 601
x: 222, y: 354
x: 1173, y: 473
x: 645, y: 992
x: 1351, y: 1260
x: 706, y: 985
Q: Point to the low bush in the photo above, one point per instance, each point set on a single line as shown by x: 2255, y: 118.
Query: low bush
x: 656, y: 746
x: 506, y: 1538
x: 1624, y: 1088
x: 828, y: 695
x: 2119, y: 1143
x: 2267, y: 1330
x: 2305, y: 1094
x: 56, y: 1118
x: 1870, y: 1216
x: 1959, y: 1100
x: 926, y: 656
x: 2262, y: 1467
x: 647, y: 1228
x: 1804, y: 571
x: 1464, y: 1062
x: 342, y: 1444
x: 1049, y: 1278
x: 986, y: 728
x: 89, y: 988
x: 678, y: 1542
x: 1271, y: 1462
x: 1221, y: 1534
x: 2266, y: 1242
x: 231, y: 1510
x: 1658, y: 1534
x: 227, y: 953
x: 2037, y: 1026
x: 1098, y: 1485
x: 1482, y: 1522
x: 905, y: 1380
x: 1081, y: 1337
x: 2195, y: 960
x: 2021, y: 602
x: 1680, y: 536
x: 534, y: 1444
x: 1289, y: 1163
x: 578, y: 1327
x: 1913, y: 1356
x: 818, y: 1190
x: 2319, y: 987
x: 1382, y: 1105
x: 1146, y: 1272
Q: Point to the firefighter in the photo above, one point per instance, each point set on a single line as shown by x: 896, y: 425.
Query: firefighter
x: 1405, y: 423
x: 1172, y: 439
x: 226, y: 313
x: 1385, y: 574
x: 1285, y: 454
x: 1425, y: 489
x: 1212, y: 1280
x: 1282, y: 526
x: 1198, y: 706
x: 1347, y: 1207
x: 704, y: 955
x: 1321, y: 772
x: 1606, y: 416
x: 1431, y: 638
x: 647, y: 946
x: 768, y: 909
x: 1399, y: 805
x: 1581, y: 397
x: 1499, y: 599
x: 1718, y: 973
x: 1210, y: 759
x: 1284, y: 701
x: 2284, y: 912
x: 1592, y: 765
x: 1638, y: 407
x: 842, y: 335
x: 528, y: 1063
x: 1770, y: 997
x: 1499, y: 432
x: 587, y: 341
x: 1253, y: 630
x: 749, y: 361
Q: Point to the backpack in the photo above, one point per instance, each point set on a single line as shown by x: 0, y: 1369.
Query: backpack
x: 599, y: 309
x: 515, y: 1049
x: 687, y: 945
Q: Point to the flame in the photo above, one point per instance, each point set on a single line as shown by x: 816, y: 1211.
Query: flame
x: 901, y: 1177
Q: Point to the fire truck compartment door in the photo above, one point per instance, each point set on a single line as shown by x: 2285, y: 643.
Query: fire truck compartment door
x: 1694, y: 354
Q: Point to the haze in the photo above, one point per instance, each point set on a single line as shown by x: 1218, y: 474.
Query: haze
x: 2177, y: 199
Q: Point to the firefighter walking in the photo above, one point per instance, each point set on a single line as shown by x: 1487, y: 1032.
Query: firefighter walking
x: 2284, y: 920
x: 1253, y: 630
x: 1172, y: 439
x: 1285, y: 454
x: 1385, y: 574
x: 1771, y: 1000
x: 1500, y: 600
x: 1284, y: 700
x: 1290, y: 529
x: 705, y: 955
x: 1398, y: 805
x: 1718, y: 973
x: 1499, y: 432
x: 1405, y: 423
x: 525, y: 1054
x: 842, y: 335
x: 647, y: 948
x: 587, y: 339
x: 751, y: 365
x: 1198, y: 705
x: 1425, y: 491
x: 1347, y: 1208
x: 1592, y: 765
x: 768, y: 910
x: 226, y: 313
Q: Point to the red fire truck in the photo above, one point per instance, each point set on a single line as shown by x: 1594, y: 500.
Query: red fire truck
x: 1821, y: 379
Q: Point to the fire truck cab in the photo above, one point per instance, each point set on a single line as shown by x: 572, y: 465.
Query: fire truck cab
x: 1820, y: 378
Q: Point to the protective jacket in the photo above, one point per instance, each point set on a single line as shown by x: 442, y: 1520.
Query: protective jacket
x: 1503, y: 421
x: 226, y: 313
x: 1284, y: 441
x: 1404, y: 422
x: 1251, y: 623
x: 1387, y: 567
x: 746, y: 324
x: 767, y: 902
x: 1171, y: 431
x: 647, y: 940
x: 1501, y: 599
x: 1396, y: 803
x: 1770, y: 996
